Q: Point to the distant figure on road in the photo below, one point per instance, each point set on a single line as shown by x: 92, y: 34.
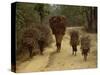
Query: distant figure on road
x: 58, y: 26
x: 74, y: 41
x: 85, y: 46
x: 28, y: 41
x: 41, y: 46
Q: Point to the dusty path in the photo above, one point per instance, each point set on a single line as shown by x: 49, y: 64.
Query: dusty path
x: 60, y: 61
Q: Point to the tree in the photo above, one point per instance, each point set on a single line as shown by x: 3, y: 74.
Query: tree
x: 40, y: 8
x: 91, y: 16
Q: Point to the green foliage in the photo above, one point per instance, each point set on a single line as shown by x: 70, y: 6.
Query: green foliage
x: 42, y: 11
x: 74, y: 15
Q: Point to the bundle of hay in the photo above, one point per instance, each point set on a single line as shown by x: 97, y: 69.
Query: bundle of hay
x: 85, y: 42
x: 58, y: 24
x: 74, y: 37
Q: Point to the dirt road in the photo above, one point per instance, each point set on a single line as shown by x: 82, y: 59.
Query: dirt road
x: 64, y: 60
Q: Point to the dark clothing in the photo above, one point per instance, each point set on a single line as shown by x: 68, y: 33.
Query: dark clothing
x: 41, y: 45
x: 74, y: 48
x: 85, y: 51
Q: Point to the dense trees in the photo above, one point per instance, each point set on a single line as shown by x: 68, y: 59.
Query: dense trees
x: 30, y: 17
x: 42, y: 11
x: 91, y: 17
x: 79, y: 16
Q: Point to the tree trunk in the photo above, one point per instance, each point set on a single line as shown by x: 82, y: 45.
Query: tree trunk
x: 91, y: 15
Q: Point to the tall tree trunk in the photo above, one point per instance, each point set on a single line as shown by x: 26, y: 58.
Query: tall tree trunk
x: 95, y: 18
x: 91, y: 15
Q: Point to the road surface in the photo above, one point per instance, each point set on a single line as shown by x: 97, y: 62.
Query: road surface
x: 64, y: 60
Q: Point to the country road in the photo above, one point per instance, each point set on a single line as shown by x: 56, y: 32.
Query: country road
x: 64, y: 60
